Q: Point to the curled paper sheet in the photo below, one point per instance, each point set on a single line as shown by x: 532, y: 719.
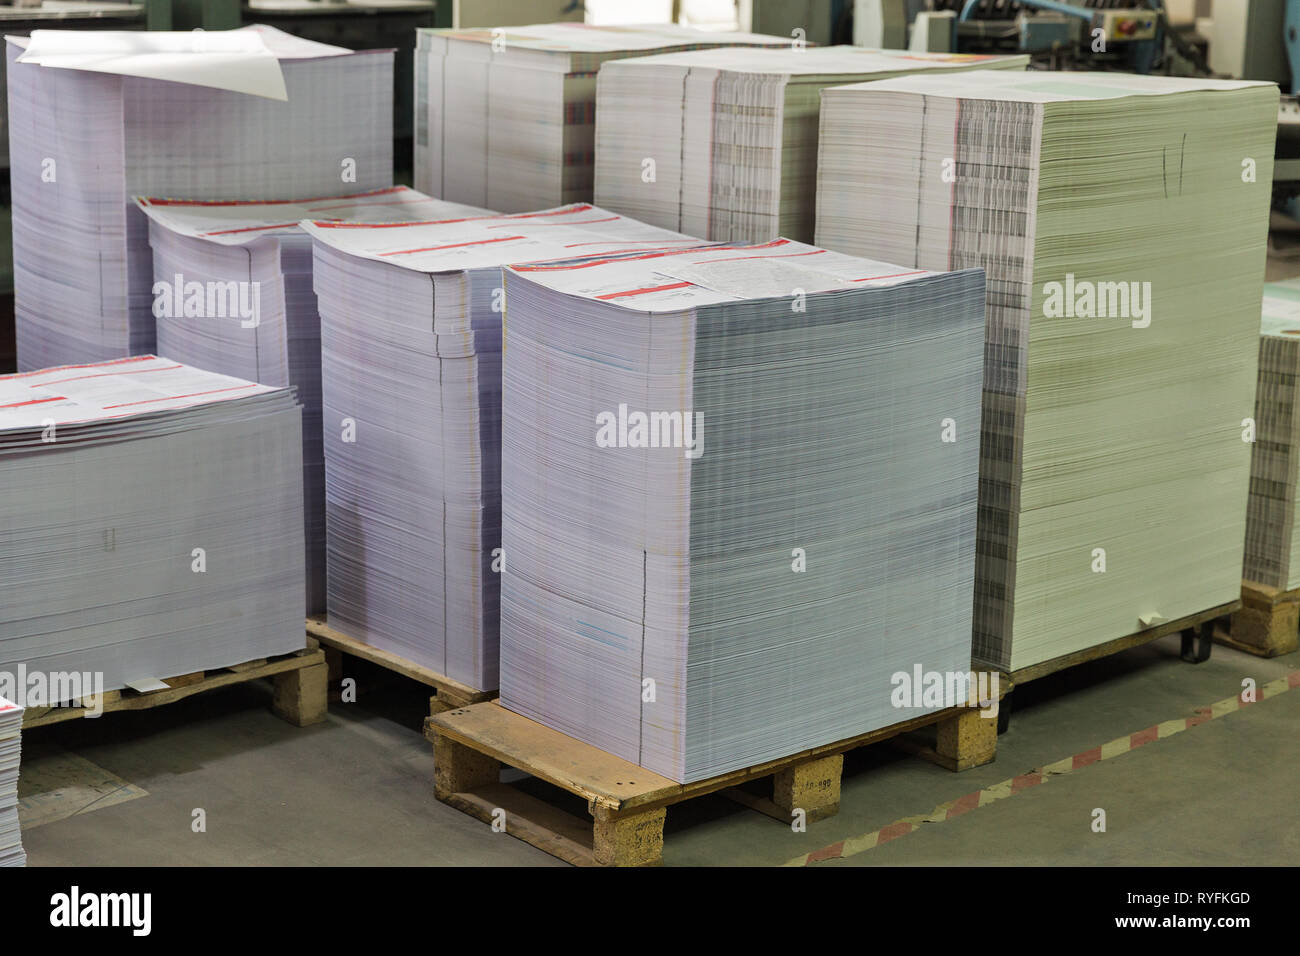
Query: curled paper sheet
x: 241, y: 61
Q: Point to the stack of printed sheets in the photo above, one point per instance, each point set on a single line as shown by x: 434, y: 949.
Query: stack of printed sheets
x: 738, y: 498
x: 1271, y: 541
x: 1122, y: 221
x: 11, y: 746
x: 233, y: 294
x: 411, y: 320
x: 505, y: 118
x: 151, y: 524
x: 99, y: 117
x: 723, y: 143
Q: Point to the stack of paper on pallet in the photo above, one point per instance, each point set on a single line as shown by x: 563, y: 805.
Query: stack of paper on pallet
x: 738, y: 498
x: 97, y: 118
x: 1271, y: 541
x: 151, y: 524
x: 505, y: 118
x: 1122, y: 223
x: 233, y: 295
x: 723, y: 143
x: 411, y: 372
x: 11, y: 746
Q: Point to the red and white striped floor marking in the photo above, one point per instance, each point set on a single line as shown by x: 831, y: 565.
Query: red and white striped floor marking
x: 1027, y: 781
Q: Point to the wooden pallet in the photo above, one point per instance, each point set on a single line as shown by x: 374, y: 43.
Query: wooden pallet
x: 1197, y: 634
x: 300, y: 690
x: 450, y: 693
x: 626, y: 803
x: 1267, y: 623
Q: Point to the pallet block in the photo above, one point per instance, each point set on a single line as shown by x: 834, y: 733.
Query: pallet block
x: 1268, y: 623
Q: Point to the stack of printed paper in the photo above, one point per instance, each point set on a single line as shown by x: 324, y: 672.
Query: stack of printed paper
x: 151, y: 524
x: 233, y: 294
x: 505, y: 117
x: 723, y: 143
x: 1122, y: 222
x: 1271, y: 541
x: 411, y: 372
x: 99, y: 117
x: 11, y: 745
x: 738, y: 498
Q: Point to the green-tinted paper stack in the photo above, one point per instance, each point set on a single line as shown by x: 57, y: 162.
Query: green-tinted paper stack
x: 1122, y: 222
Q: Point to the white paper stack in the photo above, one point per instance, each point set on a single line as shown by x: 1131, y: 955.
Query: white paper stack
x: 505, y: 118
x: 729, y: 511
x: 1122, y: 224
x: 411, y: 372
x: 1271, y: 541
x: 261, y: 322
x: 97, y: 118
x: 723, y: 143
x: 151, y: 524
x: 11, y: 746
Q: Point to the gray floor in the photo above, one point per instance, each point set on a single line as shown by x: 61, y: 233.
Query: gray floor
x: 358, y: 789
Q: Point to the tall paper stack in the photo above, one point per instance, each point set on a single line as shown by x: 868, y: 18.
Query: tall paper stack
x: 723, y: 143
x: 411, y: 371
x: 11, y: 746
x: 730, y: 510
x: 505, y: 118
x: 151, y: 524
x: 233, y: 294
x: 97, y: 118
x: 1271, y: 541
x: 1122, y: 222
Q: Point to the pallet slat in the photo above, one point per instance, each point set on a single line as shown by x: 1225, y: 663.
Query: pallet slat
x: 451, y: 693
x: 299, y: 704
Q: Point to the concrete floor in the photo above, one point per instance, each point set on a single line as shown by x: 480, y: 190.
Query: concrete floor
x: 358, y: 789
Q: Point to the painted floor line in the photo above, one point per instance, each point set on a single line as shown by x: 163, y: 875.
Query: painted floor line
x: 1027, y: 781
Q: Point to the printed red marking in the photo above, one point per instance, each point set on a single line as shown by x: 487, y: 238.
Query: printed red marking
x: 453, y: 245
x: 130, y: 371
x: 60, y: 368
x: 172, y: 398
x: 36, y: 401
x: 150, y: 201
x: 892, y: 275
x: 591, y: 263
x: 651, y: 288
x: 784, y: 255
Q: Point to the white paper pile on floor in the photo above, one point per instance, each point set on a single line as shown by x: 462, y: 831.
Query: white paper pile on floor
x: 411, y: 373
x: 84, y: 141
x: 723, y: 143
x: 505, y: 118
x: 1122, y: 227
x: 151, y: 524
x: 11, y: 746
x: 731, y: 510
x: 233, y: 294
x: 1271, y: 541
